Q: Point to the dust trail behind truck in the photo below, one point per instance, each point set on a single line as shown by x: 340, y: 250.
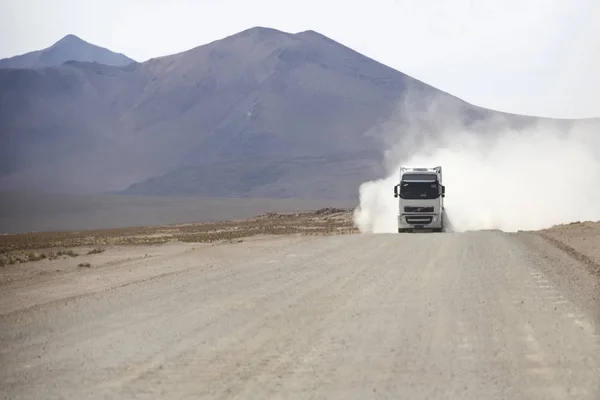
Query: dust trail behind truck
x: 421, y: 199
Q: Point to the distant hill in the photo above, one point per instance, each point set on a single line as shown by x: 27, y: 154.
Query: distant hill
x: 69, y: 48
x: 261, y: 113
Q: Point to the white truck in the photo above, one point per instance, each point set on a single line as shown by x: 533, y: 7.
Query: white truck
x: 421, y: 199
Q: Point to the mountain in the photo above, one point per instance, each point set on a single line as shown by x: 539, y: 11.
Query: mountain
x: 69, y: 48
x: 259, y: 113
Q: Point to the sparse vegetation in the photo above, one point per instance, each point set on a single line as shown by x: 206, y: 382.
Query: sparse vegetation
x: 325, y: 221
x: 96, y: 251
x: 21, y: 255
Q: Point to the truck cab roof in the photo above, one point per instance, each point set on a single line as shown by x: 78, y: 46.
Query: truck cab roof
x: 420, y: 174
x: 419, y: 177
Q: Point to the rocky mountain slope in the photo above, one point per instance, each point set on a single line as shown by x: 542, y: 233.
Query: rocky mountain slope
x: 261, y: 113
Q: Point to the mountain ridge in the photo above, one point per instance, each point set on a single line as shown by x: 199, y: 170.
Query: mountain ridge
x: 68, y: 48
x: 260, y: 113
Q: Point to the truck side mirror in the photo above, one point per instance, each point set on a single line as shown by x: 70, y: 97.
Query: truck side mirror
x: 396, y: 190
x: 443, y: 191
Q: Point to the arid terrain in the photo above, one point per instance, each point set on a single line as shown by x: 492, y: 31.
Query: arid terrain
x: 299, y: 305
x: 35, y: 246
x: 183, y: 227
x: 579, y: 239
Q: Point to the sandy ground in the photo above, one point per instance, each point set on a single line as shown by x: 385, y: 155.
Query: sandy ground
x: 580, y: 239
x: 314, y: 311
x: 34, y: 246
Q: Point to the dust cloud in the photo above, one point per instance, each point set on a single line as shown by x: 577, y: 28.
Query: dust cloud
x: 507, y: 173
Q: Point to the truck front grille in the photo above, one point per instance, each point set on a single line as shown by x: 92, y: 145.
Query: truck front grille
x: 418, y: 209
x: 419, y: 219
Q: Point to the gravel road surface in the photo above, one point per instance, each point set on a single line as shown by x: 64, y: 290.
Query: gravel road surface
x: 478, y: 315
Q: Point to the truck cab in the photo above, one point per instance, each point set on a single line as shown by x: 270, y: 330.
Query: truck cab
x: 421, y: 199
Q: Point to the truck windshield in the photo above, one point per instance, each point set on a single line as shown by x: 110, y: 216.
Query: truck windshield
x: 419, y: 190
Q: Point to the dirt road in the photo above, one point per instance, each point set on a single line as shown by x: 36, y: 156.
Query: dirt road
x: 481, y: 315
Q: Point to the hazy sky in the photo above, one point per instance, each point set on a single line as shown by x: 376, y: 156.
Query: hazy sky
x: 529, y: 56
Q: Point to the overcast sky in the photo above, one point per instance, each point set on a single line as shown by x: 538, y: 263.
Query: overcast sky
x: 538, y: 57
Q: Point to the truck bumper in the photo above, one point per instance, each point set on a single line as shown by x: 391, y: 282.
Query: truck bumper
x: 409, y: 222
